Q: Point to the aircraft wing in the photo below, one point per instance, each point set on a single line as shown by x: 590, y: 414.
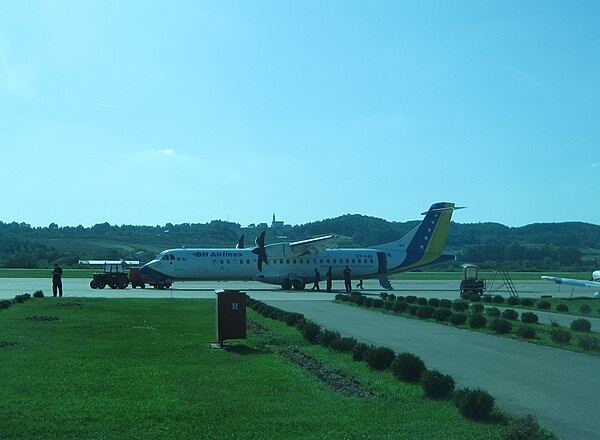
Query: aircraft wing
x: 573, y: 282
x: 310, y: 246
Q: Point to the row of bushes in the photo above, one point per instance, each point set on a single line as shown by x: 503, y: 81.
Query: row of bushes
x: 475, y: 404
x: 457, y: 313
x: 584, y: 309
x: 19, y: 299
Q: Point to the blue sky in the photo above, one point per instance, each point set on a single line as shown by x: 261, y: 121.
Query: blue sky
x: 133, y: 112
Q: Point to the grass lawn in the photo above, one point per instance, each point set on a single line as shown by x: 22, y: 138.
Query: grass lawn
x: 47, y: 273
x: 143, y: 368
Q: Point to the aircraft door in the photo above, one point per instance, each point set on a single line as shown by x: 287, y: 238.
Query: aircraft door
x: 382, y: 260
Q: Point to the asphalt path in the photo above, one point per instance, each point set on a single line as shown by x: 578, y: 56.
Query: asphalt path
x: 559, y: 387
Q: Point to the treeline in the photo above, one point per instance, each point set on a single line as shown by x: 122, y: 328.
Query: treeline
x: 556, y: 246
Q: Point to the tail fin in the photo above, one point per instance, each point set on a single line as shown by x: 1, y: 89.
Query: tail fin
x: 425, y: 243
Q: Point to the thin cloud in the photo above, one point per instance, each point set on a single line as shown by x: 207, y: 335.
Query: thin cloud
x: 15, y: 79
x: 116, y: 107
x: 595, y: 164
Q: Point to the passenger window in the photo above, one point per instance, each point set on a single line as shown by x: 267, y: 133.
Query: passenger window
x: 287, y: 261
x: 221, y: 261
x: 171, y: 257
x: 247, y: 261
x: 328, y: 261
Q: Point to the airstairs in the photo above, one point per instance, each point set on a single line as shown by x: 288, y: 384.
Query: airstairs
x: 506, y: 281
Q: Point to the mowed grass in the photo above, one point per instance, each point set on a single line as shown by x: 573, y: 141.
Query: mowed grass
x: 143, y: 368
x: 47, y: 273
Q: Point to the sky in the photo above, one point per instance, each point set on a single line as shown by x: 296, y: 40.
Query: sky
x: 154, y: 112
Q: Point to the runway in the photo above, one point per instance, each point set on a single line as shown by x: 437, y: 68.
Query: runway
x: 559, y: 387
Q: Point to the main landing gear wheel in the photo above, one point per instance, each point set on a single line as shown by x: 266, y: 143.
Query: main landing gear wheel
x: 298, y: 284
x: 286, y: 284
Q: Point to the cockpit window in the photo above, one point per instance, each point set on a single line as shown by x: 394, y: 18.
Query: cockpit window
x: 165, y: 257
x: 171, y: 257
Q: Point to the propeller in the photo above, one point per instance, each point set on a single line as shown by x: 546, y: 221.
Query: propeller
x: 240, y: 244
x: 260, y: 250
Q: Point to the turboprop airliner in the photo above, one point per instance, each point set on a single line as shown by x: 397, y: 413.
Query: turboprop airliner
x: 292, y: 265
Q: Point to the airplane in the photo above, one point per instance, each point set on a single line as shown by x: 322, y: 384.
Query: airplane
x: 292, y: 265
x: 594, y: 283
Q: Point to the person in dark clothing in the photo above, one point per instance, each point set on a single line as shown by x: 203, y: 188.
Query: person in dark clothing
x: 317, y: 279
x: 348, y: 279
x: 329, y: 278
x: 359, y: 285
x: 57, y: 280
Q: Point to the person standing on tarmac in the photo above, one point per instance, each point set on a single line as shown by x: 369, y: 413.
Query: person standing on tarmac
x: 348, y: 279
x: 57, y: 280
x: 329, y: 278
x: 317, y: 279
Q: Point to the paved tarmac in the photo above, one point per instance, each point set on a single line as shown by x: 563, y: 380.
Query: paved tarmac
x: 560, y: 388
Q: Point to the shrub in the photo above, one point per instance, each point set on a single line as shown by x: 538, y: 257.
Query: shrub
x: 412, y: 309
x: 543, y: 305
x: 458, y: 318
x: 326, y: 337
x: 493, y: 312
x: 486, y: 299
x: 441, y: 314
x: 411, y: 299
x: 359, y: 299
x: 525, y: 429
x: 527, y: 302
x: 437, y: 385
x: 512, y: 301
x: 529, y: 318
x: 475, y: 404
x: 422, y: 301
x: 498, y: 299
x: 434, y: 302
x: 477, y: 321
x: 501, y: 326
x: 5, y: 303
x: 477, y: 308
x: 38, y: 294
x: 292, y: 319
x: 581, y: 325
x: 342, y: 297
x: 19, y: 299
x: 562, y: 308
x: 585, y: 309
x: 446, y: 303
x: 425, y: 312
x: 408, y: 368
x: 343, y: 344
x: 387, y: 305
x: 588, y: 343
x: 510, y: 314
x: 460, y: 306
x: 400, y: 306
x: 377, y: 303
x: 379, y: 358
x: 560, y: 336
x: 475, y: 297
x: 310, y: 331
x: 527, y: 331
x: 392, y: 297
x: 367, y: 301
x: 383, y: 295
x: 358, y: 351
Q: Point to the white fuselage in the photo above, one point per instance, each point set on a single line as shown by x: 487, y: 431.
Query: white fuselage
x: 241, y: 264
